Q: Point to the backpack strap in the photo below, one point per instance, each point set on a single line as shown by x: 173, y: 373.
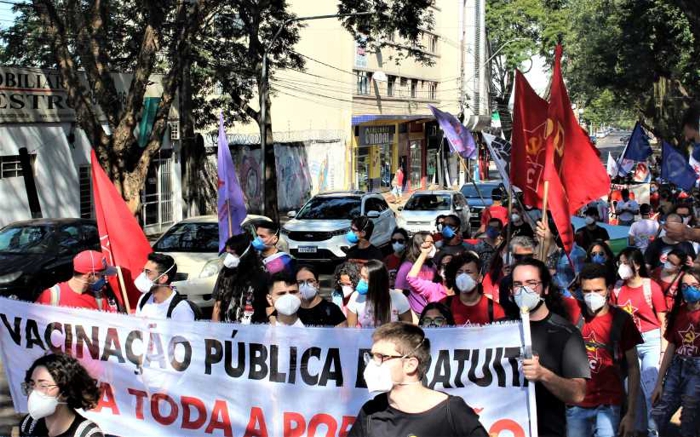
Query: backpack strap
x: 176, y: 301
x: 55, y: 295
x: 144, y: 299
x: 618, y: 323
x: 448, y: 301
x: 490, y: 302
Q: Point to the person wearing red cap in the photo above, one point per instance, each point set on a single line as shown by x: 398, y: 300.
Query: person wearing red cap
x: 87, y: 288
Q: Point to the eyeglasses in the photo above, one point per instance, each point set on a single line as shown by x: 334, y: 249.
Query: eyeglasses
x: 379, y: 358
x: 398, y: 240
x: 530, y: 284
x: 28, y: 387
x: 437, y: 321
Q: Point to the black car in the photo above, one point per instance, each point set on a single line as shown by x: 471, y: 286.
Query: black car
x: 36, y: 254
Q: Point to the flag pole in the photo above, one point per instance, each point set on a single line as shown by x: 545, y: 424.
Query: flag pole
x: 228, y: 212
x: 527, y: 353
x: 509, y: 231
x: 122, y: 288
x: 545, y: 220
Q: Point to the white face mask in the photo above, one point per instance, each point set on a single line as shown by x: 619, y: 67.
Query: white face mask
x: 347, y: 290
x: 432, y: 252
x: 590, y: 220
x: 594, y: 301
x: 307, y: 291
x: 625, y: 272
x: 465, y: 283
x: 378, y: 378
x: 515, y: 218
x: 231, y: 261
x: 287, y: 304
x: 41, y: 405
x: 669, y: 267
x: 144, y: 284
x: 527, y: 298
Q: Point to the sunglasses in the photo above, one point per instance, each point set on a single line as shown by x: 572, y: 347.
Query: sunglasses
x: 398, y: 240
x: 598, y: 254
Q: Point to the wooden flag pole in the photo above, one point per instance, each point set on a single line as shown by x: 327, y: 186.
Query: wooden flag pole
x: 545, y: 220
x: 228, y: 211
x: 122, y: 288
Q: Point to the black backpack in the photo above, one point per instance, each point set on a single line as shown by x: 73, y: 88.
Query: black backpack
x: 173, y: 303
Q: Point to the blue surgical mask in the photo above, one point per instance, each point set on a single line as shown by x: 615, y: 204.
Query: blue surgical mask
x: 259, y: 244
x: 691, y: 294
x: 352, y: 237
x: 492, y: 232
x: 362, y: 287
x: 598, y: 259
x: 448, y: 232
x: 99, y: 284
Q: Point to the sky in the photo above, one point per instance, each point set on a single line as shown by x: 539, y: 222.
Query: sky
x: 6, y: 14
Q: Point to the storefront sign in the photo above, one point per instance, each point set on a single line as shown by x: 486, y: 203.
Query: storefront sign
x: 370, y: 135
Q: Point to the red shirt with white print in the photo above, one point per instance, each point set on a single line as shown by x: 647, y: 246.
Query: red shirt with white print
x: 633, y: 301
x: 685, y: 333
x: 69, y: 298
x: 605, y: 386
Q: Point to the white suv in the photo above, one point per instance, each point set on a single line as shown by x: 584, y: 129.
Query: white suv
x: 317, y: 231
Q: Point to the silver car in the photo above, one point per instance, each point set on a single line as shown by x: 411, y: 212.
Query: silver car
x: 423, y: 207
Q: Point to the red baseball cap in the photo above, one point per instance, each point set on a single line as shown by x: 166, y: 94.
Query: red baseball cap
x: 90, y: 261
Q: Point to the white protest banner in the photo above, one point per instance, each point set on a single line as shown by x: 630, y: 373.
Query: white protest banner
x: 162, y: 377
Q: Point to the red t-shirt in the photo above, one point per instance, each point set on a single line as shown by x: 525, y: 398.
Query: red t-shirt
x: 605, y: 386
x: 69, y: 298
x: 685, y: 334
x: 632, y: 300
x: 669, y: 289
x: 474, y: 315
x: 494, y: 211
x: 392, y: 263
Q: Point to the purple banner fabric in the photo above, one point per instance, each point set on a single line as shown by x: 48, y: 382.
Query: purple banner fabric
x: 459, y: 137
x: 231, y: 205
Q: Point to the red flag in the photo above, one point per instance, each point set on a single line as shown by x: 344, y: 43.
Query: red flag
x: 572, y: 166
x: 122, y: 239
x: 528, y: 142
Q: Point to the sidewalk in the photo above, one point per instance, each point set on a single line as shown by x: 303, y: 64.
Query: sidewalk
x: 8, y: 417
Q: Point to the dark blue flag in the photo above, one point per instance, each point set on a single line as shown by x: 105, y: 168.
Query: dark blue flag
x: 638, y: 148
x: 675, y: 168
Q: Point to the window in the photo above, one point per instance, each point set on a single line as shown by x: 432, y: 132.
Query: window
x: 10, y: 167
x: 85, y: 186
x: 69, y: 240
x: 373, y: 204
x: 433, y: 43
x: 363, y: 80
x: 414, y: 88
x: 432, y: 90
x: 391, y: 86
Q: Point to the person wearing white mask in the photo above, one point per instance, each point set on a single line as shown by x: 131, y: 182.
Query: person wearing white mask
x: 56, y: 386
x: 644, y: 300
x: 283, y: 296
x: 403, y: 406
x: 518, y: 226
x: 559, y: 363
x: 346, y: 277
x: 399, y: 243
x: 159, y: 299
x: 611, y: 337
x: 240, y: 291
x: 315, y: 310
x: 591, y: 232
x: 419, y: 265
x: 469, y: 306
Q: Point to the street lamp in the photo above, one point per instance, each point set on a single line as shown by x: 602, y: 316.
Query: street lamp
x: 264, y: 86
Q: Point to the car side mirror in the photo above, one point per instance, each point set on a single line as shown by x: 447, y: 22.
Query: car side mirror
x: 373, y: 214
x: 400, y: 208
x: 292, y: 214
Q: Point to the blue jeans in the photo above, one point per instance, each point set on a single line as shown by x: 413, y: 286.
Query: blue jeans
x: 649, y: 354
x: 601, y: 421
x: 681, y: 389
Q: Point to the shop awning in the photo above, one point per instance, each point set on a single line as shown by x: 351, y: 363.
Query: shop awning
x: 360, y: 119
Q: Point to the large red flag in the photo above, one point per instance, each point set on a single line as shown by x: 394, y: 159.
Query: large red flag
x: 573, y: 168
x: 122, y: 239
x: 528, y: 143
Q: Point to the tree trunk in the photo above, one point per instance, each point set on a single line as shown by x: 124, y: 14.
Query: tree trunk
x: 270, y: 177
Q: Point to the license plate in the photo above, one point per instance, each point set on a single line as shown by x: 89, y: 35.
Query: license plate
x: 308, y: 249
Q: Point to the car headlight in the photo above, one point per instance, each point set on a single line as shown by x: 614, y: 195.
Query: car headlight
x: 10, y: 277
x: 211, y: 268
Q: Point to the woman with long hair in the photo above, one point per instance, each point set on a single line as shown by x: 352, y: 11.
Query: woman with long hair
x: 372, y: 303
x: 240, y: 293
x: 346, y: 277
x: 600, y: 253
x: 678, y: 384
x: 399, y: 243
x: 422, y: 242
x: 642, y: 297
x: 57, y: 386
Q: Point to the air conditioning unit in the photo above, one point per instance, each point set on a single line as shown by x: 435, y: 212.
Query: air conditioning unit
x: 174, y: 130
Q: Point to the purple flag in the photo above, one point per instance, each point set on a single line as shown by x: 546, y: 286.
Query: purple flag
x: 231, y: 205
x: 459, y: 137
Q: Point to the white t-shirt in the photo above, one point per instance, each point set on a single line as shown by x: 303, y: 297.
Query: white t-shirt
x: 152, y: 310
x: 365, y: 315
x: 643, y: 232
x: 631, y: 205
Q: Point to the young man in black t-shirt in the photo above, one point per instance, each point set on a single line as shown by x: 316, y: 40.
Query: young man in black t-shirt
x: 591, y: 232
x: 361, y: 229
x: 405, y: 407
x: 315, y: 310
x: 559, y: 363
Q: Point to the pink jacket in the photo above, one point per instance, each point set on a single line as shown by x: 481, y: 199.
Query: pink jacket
x: 424, y: 291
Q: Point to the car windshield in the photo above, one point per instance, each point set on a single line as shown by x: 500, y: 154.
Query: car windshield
x: 470, y: 192
x: 190, y: 237
x: 428, y: 202
x: 25, y: 239
x: 331, y: 208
